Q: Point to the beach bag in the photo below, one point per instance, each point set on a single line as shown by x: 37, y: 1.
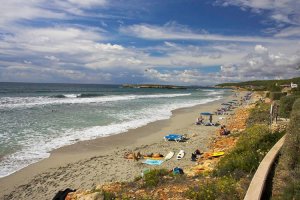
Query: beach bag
x: 177, y: 170
x: 194, y: 157
x: 61, y: 195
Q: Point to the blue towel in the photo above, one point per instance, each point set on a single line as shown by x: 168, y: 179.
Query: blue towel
x: 153, y: 162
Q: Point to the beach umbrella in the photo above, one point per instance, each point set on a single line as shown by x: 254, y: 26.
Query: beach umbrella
x: 206, y: 113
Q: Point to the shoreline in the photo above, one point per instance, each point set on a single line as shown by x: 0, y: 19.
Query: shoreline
x: 107, y: 151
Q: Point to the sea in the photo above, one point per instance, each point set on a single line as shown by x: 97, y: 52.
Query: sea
x: 38, y: 118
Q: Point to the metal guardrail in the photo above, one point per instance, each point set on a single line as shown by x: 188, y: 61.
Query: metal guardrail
x: 257, y: 184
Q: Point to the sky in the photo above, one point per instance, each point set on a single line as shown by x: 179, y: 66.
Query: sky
x: 182, y: 42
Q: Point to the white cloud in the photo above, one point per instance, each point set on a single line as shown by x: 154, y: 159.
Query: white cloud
x: 175, y: 32
x: 52, y: 58
x: 289, y: 32
x: 83, y: 54
x: 13, y: 11
x: 183, y: 77
x: 263, y: 64
x: 88, y: 3
x: 286, y: 11
x: 259, y: 63
x: 260, y: 49
x: 76, y: 50
x: 39, y: 74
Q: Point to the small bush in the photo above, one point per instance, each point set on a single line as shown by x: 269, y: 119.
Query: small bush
x: 286, y: 104
x: 296, y: 92
x: 273, y: 88
x: 248, y: 152
x: 222, y: 188
x: 259, y: 115
x: 276, y: 95
x: 287, y: 174
x: 108, y: 195
x: 154, y: 177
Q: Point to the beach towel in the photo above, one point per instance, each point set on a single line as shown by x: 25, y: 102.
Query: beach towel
x: 153, y: 162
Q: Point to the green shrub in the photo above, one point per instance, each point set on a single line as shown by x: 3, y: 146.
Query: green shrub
x: 222, y: 188
x: 250, y: 149
x: 259, y: 115
x: 108, y: 195
x: 286, y: 104
x: 287, y: 173
x: 273, y: 88
x: 276, y: 95
x: 154, y: 177
x: 231, y: 176
x: 296, y: 92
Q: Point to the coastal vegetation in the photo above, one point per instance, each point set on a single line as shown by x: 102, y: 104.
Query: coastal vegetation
x: 154, y: 177
x: 276, y: 95
x: 286, y: 182
x: 153, y: 86
x: 286, y: 105
x: 259, y: 115
x: 263, y: 85
x: 233, y: 173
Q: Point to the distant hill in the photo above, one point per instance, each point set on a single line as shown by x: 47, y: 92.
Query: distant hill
x: 271, y: 85
x: 153, y: 86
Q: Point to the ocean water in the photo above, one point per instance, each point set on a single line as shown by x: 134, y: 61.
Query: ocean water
x: 37, y: 118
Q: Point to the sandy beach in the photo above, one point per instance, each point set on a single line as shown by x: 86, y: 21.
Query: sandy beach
x: 90, y: 163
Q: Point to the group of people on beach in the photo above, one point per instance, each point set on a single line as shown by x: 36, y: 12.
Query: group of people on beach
x: 200, y: 121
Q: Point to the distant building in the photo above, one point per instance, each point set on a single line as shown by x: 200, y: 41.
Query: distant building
x: 293, y: 85
x: 285, y: 86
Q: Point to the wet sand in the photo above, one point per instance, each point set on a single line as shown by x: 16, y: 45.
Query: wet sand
x: 90, y: 163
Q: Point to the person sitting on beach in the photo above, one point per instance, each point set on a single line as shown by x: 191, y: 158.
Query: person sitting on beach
x: 199, y: 120
x: 224, y: 131
x: 193, y: 157
x: 197, y: 152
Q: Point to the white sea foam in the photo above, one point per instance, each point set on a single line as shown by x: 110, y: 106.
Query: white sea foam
x: 207, y: 90
x: 71, y: 95
x: 38, y: 147
x: 27, y: 102
x: 215, y: 92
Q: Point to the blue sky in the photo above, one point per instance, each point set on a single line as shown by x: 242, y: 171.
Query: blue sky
x: 186, y: 42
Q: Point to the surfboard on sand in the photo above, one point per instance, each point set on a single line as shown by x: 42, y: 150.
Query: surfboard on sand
x: 169, y: 155
x: 180, y: 155
x: 217, y: 154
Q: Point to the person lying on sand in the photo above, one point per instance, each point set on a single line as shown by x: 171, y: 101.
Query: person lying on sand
x: 132, y: 155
